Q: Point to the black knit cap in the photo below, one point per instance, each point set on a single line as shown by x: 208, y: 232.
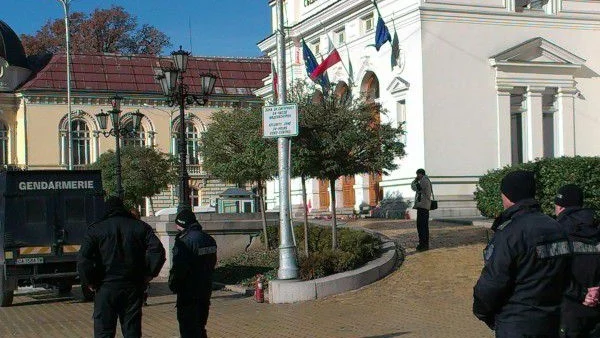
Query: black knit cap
x: 421, y: 171
x: 113, y: 204
x: 569, y: 195
x: 518, y: 185
x: 185, y: 218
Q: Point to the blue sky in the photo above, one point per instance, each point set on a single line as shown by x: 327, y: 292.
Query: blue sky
x: 219, y: 27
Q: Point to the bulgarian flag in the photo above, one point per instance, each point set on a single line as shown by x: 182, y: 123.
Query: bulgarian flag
x: 330, y: 60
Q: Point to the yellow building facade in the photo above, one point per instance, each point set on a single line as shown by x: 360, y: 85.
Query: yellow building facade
x: 34, y: 112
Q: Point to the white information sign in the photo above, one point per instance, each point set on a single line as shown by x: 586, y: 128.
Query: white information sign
x: 280, y: 121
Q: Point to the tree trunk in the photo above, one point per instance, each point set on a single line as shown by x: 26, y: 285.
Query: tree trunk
x: 306, y: 251
x: 261, y: 200
x: 334, y: 215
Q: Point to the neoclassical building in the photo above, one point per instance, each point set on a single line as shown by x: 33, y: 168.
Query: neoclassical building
x: 33, y: 109
x: 479, y: 84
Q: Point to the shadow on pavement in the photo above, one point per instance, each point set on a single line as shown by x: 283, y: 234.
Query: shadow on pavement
x: 441, y: 235
x: 229, y: 296
x: 388, y: 335
x: 150, y: 304
x: 45, y: 298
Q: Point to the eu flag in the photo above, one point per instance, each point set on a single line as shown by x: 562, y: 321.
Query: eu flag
x: 309, y: 58
x: 310, y: 61
x: 382, y: 34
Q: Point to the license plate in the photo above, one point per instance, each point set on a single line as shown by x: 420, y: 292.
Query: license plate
x: 30, y: 260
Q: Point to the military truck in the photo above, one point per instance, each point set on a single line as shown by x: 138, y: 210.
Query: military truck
x: 44, y: 215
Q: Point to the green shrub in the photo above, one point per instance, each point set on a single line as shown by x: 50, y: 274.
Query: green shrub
x: 583, y: 171
x: 243, y: 268
x: 551, y: 174
x: 321, y: 264
x: 487, y: 192
x: 355, y: 248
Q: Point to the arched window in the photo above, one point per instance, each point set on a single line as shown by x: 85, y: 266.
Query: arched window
x: 80, y: 143
x: 135, y: 139
x: 342, y: 92
x: 3, y: 144
x: 193, y: 143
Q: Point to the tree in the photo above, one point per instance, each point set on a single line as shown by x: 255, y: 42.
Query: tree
x: 234, y: 150
x: 304, y: 155
x: 110, y: 30
x: 340, y: 136
x: 145, y: 172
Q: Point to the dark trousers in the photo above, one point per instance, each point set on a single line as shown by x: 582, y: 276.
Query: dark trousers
x: 192, y: 315
x: 531, y: 329
x: 423, y: 226
x: 573, y: 326
x: 124, y: 303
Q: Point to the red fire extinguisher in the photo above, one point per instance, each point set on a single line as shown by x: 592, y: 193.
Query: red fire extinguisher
x: 259, y: 291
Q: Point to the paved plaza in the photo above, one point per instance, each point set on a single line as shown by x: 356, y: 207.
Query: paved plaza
x: 430, y: 295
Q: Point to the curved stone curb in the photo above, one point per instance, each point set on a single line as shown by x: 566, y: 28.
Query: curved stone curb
x: 294, y: 291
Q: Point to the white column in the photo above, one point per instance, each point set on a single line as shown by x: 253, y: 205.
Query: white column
x: 316, y: 198
x: 503, y: 126
x: 361, y: 190
x: 95, y: 145
x: 534, y: 129
x: 565, y: 122
x: 339, y: 194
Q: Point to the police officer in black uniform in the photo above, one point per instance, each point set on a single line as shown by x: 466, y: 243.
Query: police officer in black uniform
x: 118, y: 256
x: 194, y: 259
x: 520, y: 288
x: 579, y: 320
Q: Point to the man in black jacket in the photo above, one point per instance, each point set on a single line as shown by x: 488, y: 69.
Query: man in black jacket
x: 194, y: 259
x: 520, y: 288
x: 118, y: 256
x: 579, y: 320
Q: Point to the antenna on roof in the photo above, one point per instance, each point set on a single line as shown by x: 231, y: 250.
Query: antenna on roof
x: 190, y: 28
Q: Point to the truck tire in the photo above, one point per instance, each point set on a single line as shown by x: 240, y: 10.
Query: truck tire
x: 88, y: 295
x: 6, y: 297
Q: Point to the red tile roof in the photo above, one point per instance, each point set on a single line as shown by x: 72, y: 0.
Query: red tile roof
x: 134, y: 73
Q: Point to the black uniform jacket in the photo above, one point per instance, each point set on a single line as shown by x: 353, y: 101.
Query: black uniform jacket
x: 194, y: 259
x: 120, y: 250
x: 584, y: 234
x: 525, y: 269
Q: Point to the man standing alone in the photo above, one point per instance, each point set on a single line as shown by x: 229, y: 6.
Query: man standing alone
x: 119, y: 255
x: 580, y: 317
x: 422, y: 186
x: 520, y: 288
x: 194, y: 259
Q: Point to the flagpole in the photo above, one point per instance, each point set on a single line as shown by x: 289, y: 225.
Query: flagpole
x: 288, y: 267
x: 351, y: 76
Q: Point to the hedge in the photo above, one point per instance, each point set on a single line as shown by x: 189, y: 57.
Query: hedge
x: 551, y: 174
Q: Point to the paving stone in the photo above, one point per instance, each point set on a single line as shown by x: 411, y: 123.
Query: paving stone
x: 430, y: 295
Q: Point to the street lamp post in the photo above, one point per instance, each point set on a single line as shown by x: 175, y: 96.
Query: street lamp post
x: 66, y: 4
x: 171, y: 82
x: 117, y: 132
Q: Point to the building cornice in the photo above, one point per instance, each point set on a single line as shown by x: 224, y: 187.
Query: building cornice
x: 524, y: 19
x: 97, y: 99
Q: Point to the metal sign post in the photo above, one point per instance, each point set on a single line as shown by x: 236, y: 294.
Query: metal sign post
x: 288, y: 266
